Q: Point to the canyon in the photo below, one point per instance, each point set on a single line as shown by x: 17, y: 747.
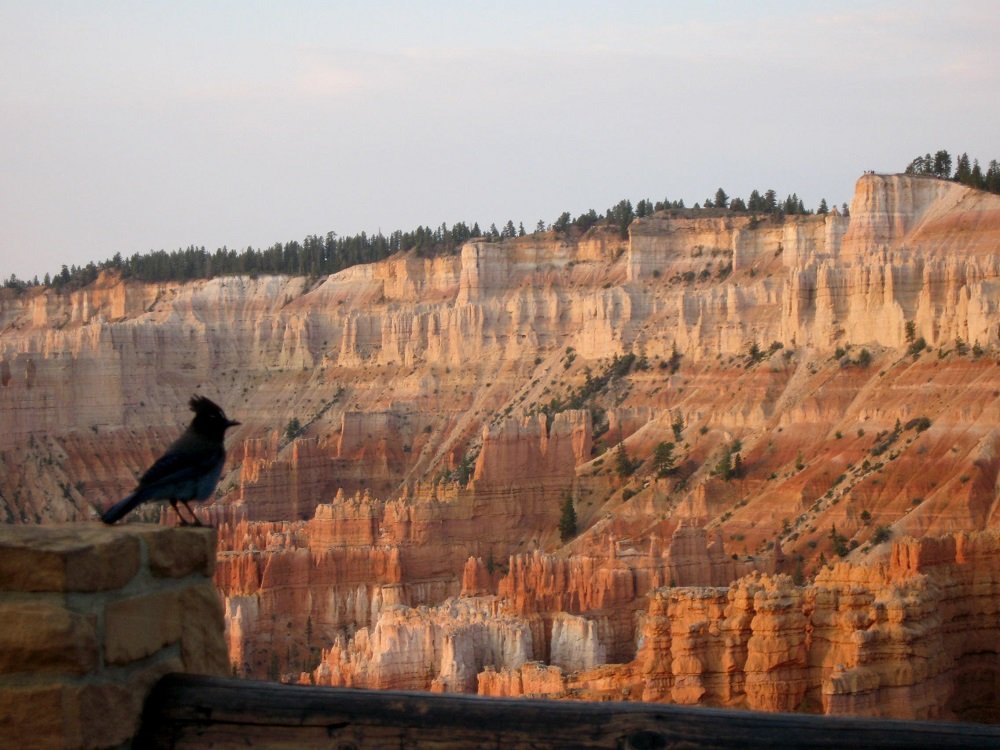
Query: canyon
x: 824, y: 536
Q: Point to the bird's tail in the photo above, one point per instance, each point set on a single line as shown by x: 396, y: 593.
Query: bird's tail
x: 122, y: 507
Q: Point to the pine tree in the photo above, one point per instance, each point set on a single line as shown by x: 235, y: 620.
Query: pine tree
x: 663, y: 459
x: 621, y: 215
x: 963, y: 170
x: 919, y: 165
x: 724, y: 467
x: 976, y: 178
x: 839, y: 542
x: 823, y: 209
x: 674, y: 363
x: 942, y: 164
x: 993, y: 177
x: 567, y: 519
x: 624, y: 466
x: 678, y: 427
x: 585, y: 221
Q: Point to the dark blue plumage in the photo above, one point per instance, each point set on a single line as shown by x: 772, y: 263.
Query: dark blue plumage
x: 190, y: 468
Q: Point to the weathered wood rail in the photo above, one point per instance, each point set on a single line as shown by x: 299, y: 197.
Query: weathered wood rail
x: 188, y: 712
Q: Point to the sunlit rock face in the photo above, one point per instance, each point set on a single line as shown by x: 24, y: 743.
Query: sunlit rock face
x: 911, y: 634
x: 413, y: 431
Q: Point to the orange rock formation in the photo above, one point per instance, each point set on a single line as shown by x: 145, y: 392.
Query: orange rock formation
x: 827, y: 383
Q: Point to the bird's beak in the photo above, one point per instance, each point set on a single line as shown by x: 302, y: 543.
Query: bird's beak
x: 232, y: 423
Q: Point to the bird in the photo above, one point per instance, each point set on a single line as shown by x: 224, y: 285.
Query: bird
x: 188, y: 470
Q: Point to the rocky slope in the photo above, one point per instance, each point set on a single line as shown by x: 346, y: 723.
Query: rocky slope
x: 407, y: 534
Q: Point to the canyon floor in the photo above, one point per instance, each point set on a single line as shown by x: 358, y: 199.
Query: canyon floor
x: 778, y: 438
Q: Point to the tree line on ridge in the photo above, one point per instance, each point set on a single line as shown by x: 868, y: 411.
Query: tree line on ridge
x: 323, y: 255
x: 318, y: 255
x: 967, y: 173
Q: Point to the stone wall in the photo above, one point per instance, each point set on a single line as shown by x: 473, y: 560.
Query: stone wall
x: 90, y: 617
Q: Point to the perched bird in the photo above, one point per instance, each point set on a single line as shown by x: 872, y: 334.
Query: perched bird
x: 190, y: 468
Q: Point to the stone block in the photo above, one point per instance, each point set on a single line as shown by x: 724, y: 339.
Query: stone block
x: 66, y: 557
x: 44, y: 637
x: 137, y: 627
x: 203, y: 645
x: 32, y: 717
x: 176, y: 552
x: 70, y: 715
x: 104, y: 715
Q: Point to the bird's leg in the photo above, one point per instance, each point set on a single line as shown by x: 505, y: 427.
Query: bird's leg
x: 183, y: 521
x: 197, y: 521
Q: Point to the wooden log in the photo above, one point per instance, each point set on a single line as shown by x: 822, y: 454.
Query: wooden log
x: 187, y: 712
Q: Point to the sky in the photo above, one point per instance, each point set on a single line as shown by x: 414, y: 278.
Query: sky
x: 127, y: 127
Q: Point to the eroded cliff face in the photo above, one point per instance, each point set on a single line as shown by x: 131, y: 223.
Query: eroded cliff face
x: 826, y: 383
x: 911, y: 633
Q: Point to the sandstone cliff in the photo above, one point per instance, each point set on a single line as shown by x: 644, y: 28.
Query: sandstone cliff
x: 911, y: 634
x: 446, y: 408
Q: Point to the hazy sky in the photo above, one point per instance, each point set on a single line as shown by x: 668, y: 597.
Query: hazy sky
x: 130, y: 126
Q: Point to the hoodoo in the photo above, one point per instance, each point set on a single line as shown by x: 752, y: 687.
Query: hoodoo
x: 821, y: 533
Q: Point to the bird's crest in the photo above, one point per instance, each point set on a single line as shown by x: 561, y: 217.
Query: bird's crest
x: 202, y: 405
x: 209, y: 417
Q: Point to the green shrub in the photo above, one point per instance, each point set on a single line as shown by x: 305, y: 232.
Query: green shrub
x: 839, y: 542
x: 882, y: 534
x: 917, y: 346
